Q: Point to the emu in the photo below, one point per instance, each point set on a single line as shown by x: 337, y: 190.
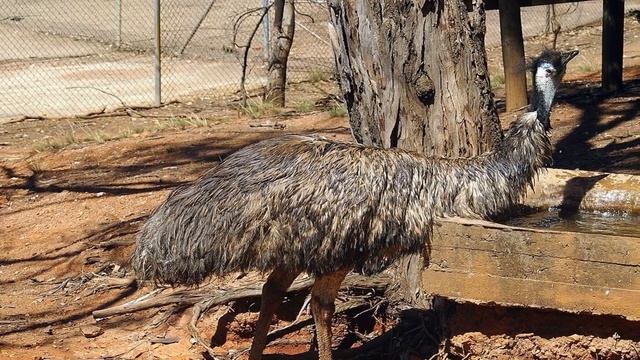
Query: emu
x: 308, y: 204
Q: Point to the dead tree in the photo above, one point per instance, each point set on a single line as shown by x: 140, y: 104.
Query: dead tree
x: 282, y: 34
x: 414, y: 76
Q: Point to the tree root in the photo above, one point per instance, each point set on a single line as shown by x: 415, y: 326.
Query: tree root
x: 205, y: 298
x: 192, y: 297
x: 197, y: 311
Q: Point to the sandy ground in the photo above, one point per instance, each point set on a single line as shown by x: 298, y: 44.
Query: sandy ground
x: 74, y: 192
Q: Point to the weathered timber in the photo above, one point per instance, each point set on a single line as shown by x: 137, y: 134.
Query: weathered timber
x: 612, y: 44
x: 493, y: 4
x: 216, y: 297
x: 585, y: 190
x: 281, y: 41
x: 513, y: 54
x: 414, y: 75
x: 484, y: 262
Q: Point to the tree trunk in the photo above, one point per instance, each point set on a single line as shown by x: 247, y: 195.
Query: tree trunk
x: 281, y: 39
x: 414, y: 75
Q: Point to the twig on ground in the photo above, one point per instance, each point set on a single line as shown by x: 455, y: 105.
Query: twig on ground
x: 110, y: 283
x: 197, y: 311
x: 164, y: 340
x: 121, y: 355
x: 115, y: 242
x: 121, y: 111
x: 306, y: 302
x: 299, y: 324
x: 361, y: 336
x: 269, y: 124
x: 58, y: 288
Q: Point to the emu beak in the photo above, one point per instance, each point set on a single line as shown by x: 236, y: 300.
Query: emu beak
x: 567, y: 56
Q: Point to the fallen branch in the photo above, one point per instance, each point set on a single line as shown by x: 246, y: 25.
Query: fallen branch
x: 115, y: 242
x: 268, y: 124
x: 198, y: 309
x: 110, y: 283
x: 164, y: 340
x: 192, y: 297
x: 103, y: 113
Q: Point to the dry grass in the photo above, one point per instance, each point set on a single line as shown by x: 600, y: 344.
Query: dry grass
x: 338, y: 110
x: 497, y: 81
x: 316, y: 76
x: 304, y: 107
x: 259, y: 109
x: 73, y: 136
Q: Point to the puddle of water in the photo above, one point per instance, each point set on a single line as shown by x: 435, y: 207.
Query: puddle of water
x: 585, y: 222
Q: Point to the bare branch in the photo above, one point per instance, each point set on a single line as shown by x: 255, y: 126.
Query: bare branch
x: 191, y: 297
x: 246, y: 55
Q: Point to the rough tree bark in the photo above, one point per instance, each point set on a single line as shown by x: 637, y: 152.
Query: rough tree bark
x: 414, y: 75
x: 282, y: 34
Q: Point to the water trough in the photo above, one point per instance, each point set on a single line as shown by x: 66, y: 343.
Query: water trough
x: 583, y: 270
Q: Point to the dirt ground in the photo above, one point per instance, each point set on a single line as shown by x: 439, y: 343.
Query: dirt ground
x: 73, y: 193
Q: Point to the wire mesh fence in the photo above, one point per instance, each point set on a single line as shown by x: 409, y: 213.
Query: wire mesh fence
x: 69, y: 57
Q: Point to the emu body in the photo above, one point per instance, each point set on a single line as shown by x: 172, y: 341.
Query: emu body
x: 305, y: 203
x: 308, y: 204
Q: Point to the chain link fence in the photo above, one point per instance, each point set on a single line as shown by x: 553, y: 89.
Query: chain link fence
x: 69, y: 57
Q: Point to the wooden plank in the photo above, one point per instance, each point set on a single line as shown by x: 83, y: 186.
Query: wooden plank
x: 612, y: 44
x: 484, y: 262
x: 493, y: 4
x: 485, y: 289
x: 513, y: 55
x: 582, y: 247
x: 506, y: 264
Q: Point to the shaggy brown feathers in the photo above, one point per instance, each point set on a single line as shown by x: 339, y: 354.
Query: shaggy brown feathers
x: 306, y: 203
x: 312, y: 204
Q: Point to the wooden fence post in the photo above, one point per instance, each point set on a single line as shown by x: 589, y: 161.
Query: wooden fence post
x: 513, y: 54
x: 612, y: 44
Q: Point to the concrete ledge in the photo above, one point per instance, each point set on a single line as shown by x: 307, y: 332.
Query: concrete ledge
x: 585, y: 190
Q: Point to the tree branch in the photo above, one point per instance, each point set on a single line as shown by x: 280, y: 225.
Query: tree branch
x: 246, y: 55
x: 192, y: 297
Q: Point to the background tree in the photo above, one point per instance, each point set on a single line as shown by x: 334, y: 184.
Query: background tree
x: 282, y: 34
x: 414, y: 75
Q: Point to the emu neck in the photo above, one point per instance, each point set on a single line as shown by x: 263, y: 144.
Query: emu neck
x: 489, y: 184
x: 544, y: 91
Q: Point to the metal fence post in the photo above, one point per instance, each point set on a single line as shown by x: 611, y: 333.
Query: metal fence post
x: 157, y: 70
x: 119, y: 39
x: 266, y: 32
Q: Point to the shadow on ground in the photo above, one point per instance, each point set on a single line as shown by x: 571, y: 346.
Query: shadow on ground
x: 600, y: 113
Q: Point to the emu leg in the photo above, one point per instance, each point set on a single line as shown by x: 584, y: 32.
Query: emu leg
x: 323, y: 295
x: 272, y: 293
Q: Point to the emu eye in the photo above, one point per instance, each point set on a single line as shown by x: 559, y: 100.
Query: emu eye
x: 550, y: 71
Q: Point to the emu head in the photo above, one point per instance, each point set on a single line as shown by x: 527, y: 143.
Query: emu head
x: 548, y: 69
